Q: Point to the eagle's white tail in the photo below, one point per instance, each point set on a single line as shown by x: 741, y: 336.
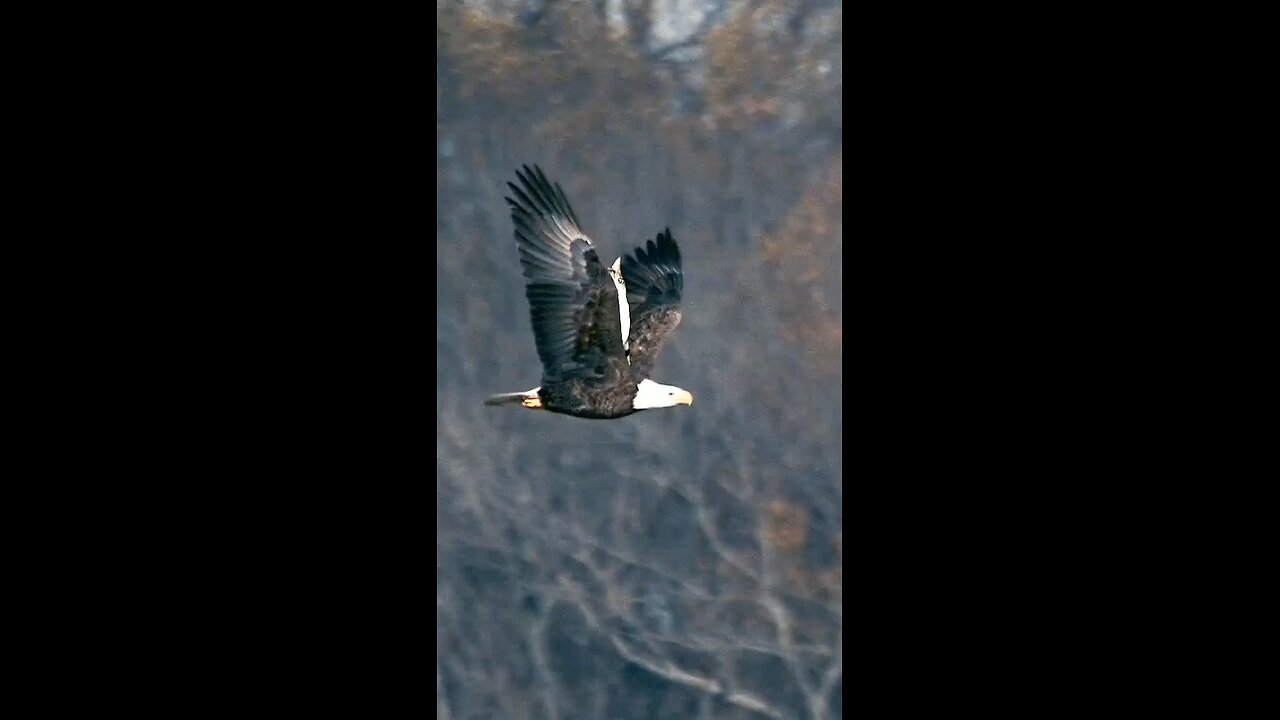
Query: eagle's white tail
x: 528, y: 398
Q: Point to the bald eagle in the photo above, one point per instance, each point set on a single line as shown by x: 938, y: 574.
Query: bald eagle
x: 598, y: 329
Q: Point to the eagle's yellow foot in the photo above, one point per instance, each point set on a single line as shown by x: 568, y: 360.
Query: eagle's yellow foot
x: 532, y: 403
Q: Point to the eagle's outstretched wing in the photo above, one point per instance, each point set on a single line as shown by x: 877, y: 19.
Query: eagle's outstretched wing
x: 654, y: 281
x: 572, y: 299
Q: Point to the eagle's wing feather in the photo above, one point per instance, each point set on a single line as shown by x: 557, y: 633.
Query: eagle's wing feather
x: 654, y: 280
x: 572, y: 299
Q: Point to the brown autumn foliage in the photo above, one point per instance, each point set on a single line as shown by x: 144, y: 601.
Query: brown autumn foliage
x: 807, y: 263
x: 786, y: 525
x: 743, y: 87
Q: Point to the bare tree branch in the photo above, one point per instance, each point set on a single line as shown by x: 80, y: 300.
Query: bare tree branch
x: 706, y: 685
x: 538, y: 647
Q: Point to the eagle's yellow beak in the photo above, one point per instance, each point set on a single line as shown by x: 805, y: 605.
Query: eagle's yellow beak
x: 684, y: 398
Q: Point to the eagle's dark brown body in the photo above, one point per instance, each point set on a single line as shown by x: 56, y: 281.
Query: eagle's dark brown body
x: 589, y: 398
x: 588, y: 369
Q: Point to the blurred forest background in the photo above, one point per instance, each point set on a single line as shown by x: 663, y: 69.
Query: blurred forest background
x: 678, y: 563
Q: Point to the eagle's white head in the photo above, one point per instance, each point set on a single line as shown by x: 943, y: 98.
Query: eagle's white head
x: 656, y: 395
